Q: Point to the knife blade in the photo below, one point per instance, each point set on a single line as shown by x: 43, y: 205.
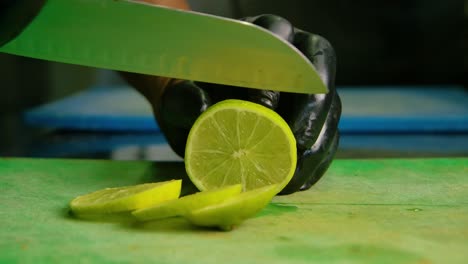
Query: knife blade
x: 148, y: 39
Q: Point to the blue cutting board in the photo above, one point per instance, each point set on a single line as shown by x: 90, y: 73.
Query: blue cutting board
x: 365, y: 110
x: 404, y: 109
x: 107, y: 109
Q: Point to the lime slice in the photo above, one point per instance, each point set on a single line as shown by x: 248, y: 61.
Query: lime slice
x: 239, y: 142
x: 121, y: 199
x: 188, y: 203
x: 233, y: 210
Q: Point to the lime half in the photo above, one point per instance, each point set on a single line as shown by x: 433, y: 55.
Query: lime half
x: 183, y: 205
x: 239, y: 142
x: 121, y: 199
x: 234, y: 210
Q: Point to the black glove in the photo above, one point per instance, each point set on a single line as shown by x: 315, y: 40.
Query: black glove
x: 313, y: 118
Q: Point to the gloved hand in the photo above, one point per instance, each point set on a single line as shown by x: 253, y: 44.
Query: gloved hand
x: 313, y: 118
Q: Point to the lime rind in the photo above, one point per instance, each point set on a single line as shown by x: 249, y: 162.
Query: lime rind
x: 215, y: 139
x: 127, y: 198
x: 184, y: 205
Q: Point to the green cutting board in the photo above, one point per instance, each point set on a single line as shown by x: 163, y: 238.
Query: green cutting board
x: 363, y: 211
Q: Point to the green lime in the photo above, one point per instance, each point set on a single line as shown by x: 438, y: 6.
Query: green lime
x: 239, y: 142
x: 233, y: 210
x: 121, y: 199
x: 188, y: 203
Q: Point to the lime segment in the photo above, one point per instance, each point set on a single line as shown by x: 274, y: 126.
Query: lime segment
x: 239, y: 142
x: 188, y: 203
x: 121, y: 199
x: 234, y: 210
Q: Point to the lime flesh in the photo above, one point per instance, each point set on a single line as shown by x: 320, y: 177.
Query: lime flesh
x: 121, y: 199
x: 183, y: 205
x: 239, y: 142
x: 234, y: 210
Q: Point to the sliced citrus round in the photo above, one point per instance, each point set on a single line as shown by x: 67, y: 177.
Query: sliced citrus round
x: 234, y: 210
x: 121, y: 199
x: 188, y: 203
x: 239, y: 142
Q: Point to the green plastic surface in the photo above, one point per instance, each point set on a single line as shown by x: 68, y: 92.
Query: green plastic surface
x: 362, y: 211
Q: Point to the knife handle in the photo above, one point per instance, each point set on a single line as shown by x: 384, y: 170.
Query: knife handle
x: 15, y: 15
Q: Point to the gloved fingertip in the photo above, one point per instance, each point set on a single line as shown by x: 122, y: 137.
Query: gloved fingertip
x: 320, y: 52
x: 324, y: 165
x: 276, y: 24
x: 182, y: 103
x: 312, y: 44
x: 266, y: 98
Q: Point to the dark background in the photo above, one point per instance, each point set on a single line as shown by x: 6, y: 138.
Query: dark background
x: 380, y: 42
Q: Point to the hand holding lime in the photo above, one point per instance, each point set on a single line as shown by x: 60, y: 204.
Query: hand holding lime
x: 233, y: 146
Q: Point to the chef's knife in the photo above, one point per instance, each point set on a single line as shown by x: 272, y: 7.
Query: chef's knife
x: 136, y: 37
